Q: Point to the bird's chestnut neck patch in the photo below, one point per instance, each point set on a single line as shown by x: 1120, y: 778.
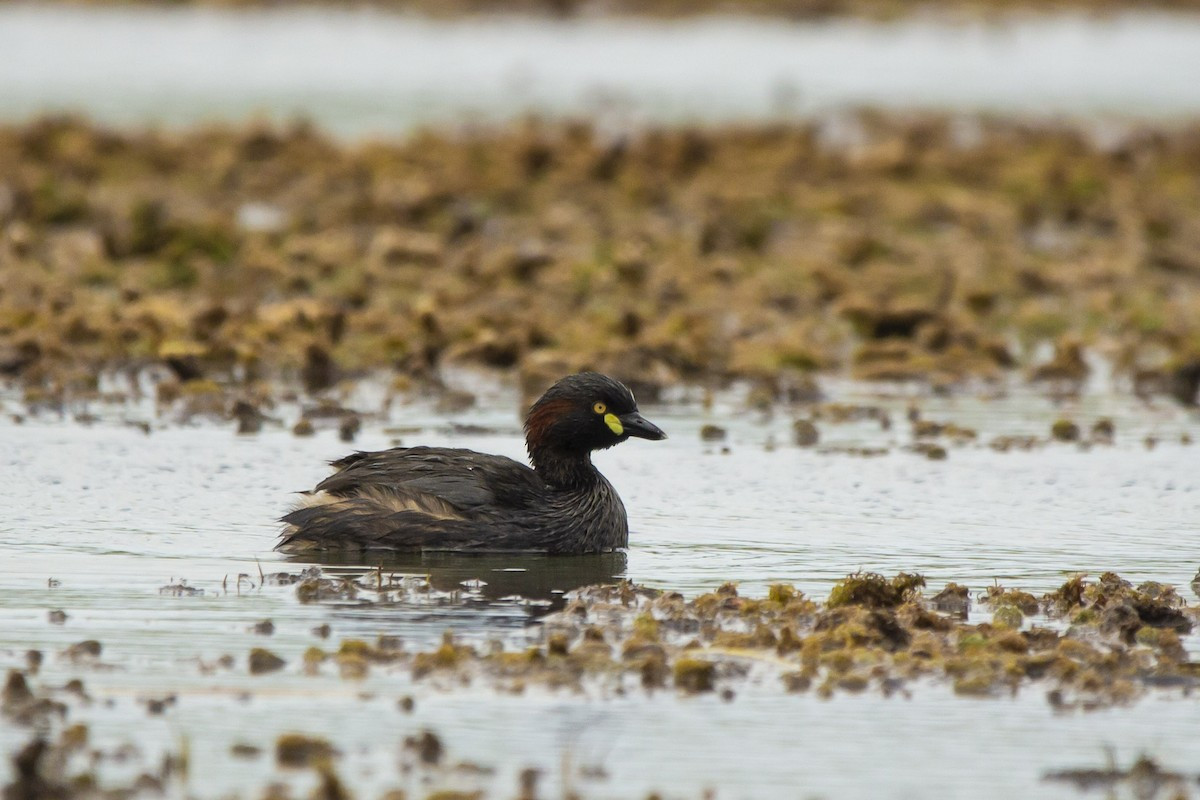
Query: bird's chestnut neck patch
x: 542, y: 418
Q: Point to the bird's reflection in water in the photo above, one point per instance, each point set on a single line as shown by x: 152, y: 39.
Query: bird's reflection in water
x: 486, y: 577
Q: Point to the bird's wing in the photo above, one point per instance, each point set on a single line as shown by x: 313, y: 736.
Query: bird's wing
x: 413, y: 498
x: 443, y: 482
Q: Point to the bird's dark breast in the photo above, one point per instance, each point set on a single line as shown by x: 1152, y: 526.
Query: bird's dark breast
x: 588, y: 520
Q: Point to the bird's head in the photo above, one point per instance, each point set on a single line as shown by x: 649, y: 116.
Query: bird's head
x: 585, y: 412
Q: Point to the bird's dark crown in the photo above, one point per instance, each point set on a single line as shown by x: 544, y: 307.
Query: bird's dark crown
x: 591, y: 387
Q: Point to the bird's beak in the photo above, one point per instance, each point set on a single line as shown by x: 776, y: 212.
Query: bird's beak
x: 637, y: 425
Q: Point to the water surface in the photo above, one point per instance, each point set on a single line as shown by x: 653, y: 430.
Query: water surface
x: 99, y: 519
x: 360, y: 72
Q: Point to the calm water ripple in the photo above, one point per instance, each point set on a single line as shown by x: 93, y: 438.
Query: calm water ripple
x: 360, y: 73
x: 97, y: 520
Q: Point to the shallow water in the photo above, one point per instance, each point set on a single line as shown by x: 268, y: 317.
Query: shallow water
x: 98, y: 519
x: 358, y: 72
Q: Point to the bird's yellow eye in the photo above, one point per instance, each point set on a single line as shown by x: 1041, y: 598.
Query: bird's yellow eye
x: 600, y: 408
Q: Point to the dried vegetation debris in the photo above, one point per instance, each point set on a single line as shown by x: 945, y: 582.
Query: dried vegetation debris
x: 914, y: 248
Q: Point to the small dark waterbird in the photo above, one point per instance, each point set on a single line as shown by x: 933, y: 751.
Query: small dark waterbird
x: 441, y: 498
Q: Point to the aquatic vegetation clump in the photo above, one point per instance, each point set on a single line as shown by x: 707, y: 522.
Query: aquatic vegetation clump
x: 928, y: 429
x: 65, y: 766
x: 87, y: 650
x: 932, y: 451
x: 805, y: 433
x: 427, y: 746
x: 20, y: 705
x: 261, y: 661
x: 879, y: 634
x: 1103, y: 431
x: 694, y: 675
x: 1064, y: 430
x: 1117, y: 606
x: 872, y: 590
x: 954, y: 599
x: 997, y: 596
x: 299, y: 750
x: 899, y: 252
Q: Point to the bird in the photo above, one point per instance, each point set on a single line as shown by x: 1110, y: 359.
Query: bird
x: 442, y: 498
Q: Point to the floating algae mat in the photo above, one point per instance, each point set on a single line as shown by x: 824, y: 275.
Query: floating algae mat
x: 191, y: 657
